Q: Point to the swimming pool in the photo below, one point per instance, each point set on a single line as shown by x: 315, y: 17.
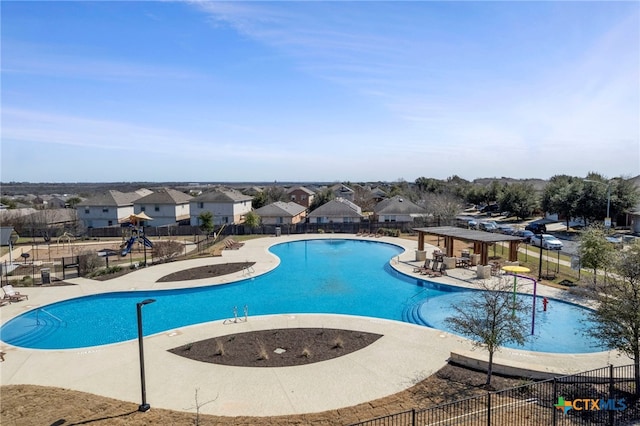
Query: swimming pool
x: 315, y: 276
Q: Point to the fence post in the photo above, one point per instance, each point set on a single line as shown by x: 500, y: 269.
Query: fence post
x: 489, y: 409
x: 555, y: 398
x: 611, y: 391
x: 413, y: 417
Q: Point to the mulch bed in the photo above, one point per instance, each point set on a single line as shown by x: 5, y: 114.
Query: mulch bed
x: 277, y: 348
x: 208, y: 271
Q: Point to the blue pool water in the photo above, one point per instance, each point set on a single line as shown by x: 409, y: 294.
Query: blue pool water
x: 315, y: 276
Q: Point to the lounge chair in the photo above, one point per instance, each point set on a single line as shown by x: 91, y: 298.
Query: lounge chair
x: 439, y: 271
x: 425, y: 267
x: 434, y: 267
x: 4, y: 302
x: 235, y: 243
x: 12, y: 295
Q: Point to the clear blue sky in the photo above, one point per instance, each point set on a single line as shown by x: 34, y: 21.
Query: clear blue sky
x: 318, y: 91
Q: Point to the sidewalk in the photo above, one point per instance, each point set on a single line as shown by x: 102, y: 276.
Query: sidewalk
x: 406, y: 353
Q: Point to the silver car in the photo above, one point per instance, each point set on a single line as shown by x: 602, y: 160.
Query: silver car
x: 549, y: 242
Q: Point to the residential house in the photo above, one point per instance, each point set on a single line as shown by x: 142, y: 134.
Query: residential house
x: 301, y: 195
x: 111, y: 208
x: 343, y: 191
x: 227, y: 206
x: 165, y: 206
x: 281, y: 213
x: 397, y: 209
x: 338, y: 210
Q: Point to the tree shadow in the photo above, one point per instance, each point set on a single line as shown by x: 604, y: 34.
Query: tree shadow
x: 84, y: 422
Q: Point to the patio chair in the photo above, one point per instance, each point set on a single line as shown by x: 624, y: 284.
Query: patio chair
x: 425, y: 267
x: 434, y: 267
x: 440, y: 271
x: 12, y: 295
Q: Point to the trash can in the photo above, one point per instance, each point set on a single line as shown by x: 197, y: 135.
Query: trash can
x: 278, y: 231
x: 45, y: 273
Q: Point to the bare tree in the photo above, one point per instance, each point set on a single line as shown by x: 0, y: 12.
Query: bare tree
x: 492, y: 318
x: 616, y: 320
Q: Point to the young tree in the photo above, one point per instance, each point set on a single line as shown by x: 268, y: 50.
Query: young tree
x: 252, y: 220
x: 594, y: 250
x: 206, y: 222
x: 491, y: 319
x: 617, y: 318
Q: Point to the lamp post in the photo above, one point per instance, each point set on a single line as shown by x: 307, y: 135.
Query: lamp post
x: 607, y: 220
x: 144, y: 406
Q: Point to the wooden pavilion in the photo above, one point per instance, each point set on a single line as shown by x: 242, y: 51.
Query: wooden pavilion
x: 481, y: 240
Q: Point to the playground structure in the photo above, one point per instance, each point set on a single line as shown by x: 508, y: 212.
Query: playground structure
x: 136, y: 234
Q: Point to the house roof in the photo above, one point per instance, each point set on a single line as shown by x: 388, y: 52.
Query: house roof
x: 111, y: 198
x: 341, y: 189
x: 5, y: 235
x: 280, y: 208
x: 397, y: 205
x: 301, y: 188
x: 336, y: 208
x: 226, y: 196
x: 165, y: 196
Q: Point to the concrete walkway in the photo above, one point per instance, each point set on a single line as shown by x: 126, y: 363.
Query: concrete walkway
x: 405, y: 354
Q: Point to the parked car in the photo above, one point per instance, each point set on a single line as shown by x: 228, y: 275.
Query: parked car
x: 549, y: 242
x: 488, y: 226
x: 472, y: 224
x: 536, y: 227
x: 522, y: 233
x: 506, y: 229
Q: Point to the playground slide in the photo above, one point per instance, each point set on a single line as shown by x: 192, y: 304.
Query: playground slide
x: 146, y: 241
x: 127, y: 248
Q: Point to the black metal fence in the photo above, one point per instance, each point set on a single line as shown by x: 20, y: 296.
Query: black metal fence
x: 284, y: 229
x: 605, y: 396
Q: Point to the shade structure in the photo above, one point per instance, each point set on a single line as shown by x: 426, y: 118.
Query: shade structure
x: 515, y: 269
x: 138, y: 217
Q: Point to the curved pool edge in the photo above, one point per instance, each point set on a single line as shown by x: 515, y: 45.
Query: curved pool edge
x: 404, y: 355
x: 112, y: 370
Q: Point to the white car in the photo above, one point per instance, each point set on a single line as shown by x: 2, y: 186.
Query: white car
x: 549, y: 242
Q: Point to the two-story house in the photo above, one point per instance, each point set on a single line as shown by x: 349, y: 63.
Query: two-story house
x: 226, y: 206
x: 111, y: 208
x: 338, y: 210
x: 281, y: 213
x: 165, y: 206
x: 301, y: 195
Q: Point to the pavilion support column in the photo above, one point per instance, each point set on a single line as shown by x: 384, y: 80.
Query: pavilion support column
x: 449, y: 245
x: 420, y: 240
x: 513, y: 251
x: 484, y: 254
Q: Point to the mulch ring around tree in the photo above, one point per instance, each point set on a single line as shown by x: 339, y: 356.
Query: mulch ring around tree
x: 208, y: 271
x: 277, y: 348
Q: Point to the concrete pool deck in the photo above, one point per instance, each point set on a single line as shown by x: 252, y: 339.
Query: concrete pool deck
x: 405, y: 355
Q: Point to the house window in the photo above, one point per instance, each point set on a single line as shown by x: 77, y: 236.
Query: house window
x: 347, y: 220
x: 86, y: 211
x: 156, y: 208
x: 105, y: 210
x: 279, y: 220
x: 142, y: 208
x: 293, y: 197
x: 110, y: 223
x: 303, y: 197
x: 318, y: 220
x: 201, y: 205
